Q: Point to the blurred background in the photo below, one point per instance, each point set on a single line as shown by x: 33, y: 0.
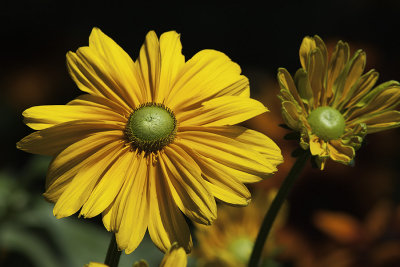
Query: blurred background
x: 343, y: 216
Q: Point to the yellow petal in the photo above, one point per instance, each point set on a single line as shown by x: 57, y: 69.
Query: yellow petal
x: 67, y: 163
x: 321, y: 46
x: 370, y: 95
x: 321, y: 162
x: 208, y: 74
x: 53, y: 140
x: 348, y: 77
x: 166, y: 223
x: 130, y: 214
x: 356, y: 69
x: 318, y: 147
x: 382, y: 121
x: 336, y: 65
x: 253, y: 140
x: 284, y: 95
x: 100, y: 102
x: 106, y: 216
x: 241, y: 176
x: 42, y: 117
x: 133, y: 176
x: 339, y: 152
x: 361, y: 88
x: 121, y: 67
x: 175, y: 257
x: 307, y: 45
x: 82, y: 184
x: 316, y: 74
x: 286, y: 82
x: 291, y: 115
x: 188, y: 188
x: 172, y: 62
x: 258, y: 142
x: 387, y: 99
x: 227, y: 151
x: 304, y: 87
x: 94, y: 75
x: 225, y: 110
x: 222, y: 183
x: 149, y: 65
x: 110, y: 184
x: 354, y: 135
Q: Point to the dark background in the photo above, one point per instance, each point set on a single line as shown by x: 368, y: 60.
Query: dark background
x: 36, y: 35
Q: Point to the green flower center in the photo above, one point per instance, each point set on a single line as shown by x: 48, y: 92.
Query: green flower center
x: 327, y: 123
x: 241, y: 248
x: 151, y: 127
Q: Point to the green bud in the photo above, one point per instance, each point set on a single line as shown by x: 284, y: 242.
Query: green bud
x: 327, y: 123
x: 151, y: 127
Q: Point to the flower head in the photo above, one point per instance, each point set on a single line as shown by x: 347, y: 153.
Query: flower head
x: 230, y: 240
x: 152, y: 140
x: 333, y: 104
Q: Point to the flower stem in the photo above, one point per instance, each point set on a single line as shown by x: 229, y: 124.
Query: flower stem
x: 276, y: 205
x: 113, y: 254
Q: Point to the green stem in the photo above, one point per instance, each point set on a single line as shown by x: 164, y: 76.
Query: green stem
x: 113, y: 254
x: 275, y: 207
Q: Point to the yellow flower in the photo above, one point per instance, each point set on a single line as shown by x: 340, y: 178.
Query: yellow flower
x: 230, y: 240
x: 151, y: 139
x: 333, y: 104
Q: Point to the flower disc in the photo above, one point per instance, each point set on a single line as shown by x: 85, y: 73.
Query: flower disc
x: 151, y: 127
x: 327, y: 123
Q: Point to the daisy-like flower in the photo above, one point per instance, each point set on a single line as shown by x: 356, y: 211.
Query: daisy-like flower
x: 333, y: 104
x: 230, y: 240
x: 152, y: 140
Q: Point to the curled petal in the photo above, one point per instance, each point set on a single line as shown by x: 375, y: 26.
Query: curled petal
x: 339, y: 152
